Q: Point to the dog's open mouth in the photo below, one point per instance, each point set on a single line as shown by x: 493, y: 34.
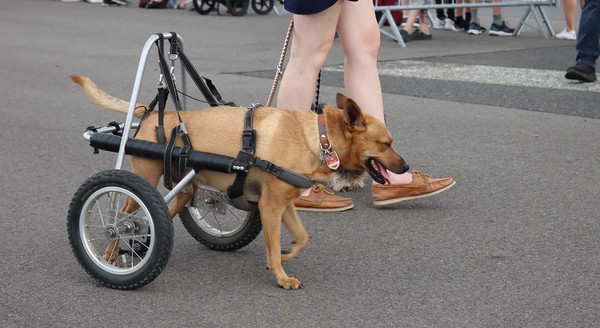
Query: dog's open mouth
x: 377, y: 171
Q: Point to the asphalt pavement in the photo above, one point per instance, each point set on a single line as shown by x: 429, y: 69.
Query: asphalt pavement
x: 514, y: 244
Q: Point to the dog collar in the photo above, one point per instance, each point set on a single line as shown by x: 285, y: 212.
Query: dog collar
x: 328, y: 156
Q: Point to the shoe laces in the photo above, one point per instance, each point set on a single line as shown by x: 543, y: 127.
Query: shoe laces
x: 420, y: 173
x: 319, y: 188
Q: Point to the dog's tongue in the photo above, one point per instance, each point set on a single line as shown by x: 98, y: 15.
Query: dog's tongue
x: 383, y: 171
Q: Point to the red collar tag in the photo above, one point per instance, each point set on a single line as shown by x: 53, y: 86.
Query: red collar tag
x: 332, y: 160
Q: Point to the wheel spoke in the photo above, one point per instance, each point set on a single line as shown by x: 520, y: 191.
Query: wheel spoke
x: 234, y: 215
x: 132, y: 251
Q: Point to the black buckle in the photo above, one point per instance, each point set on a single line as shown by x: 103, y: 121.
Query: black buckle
x: 248, y: 137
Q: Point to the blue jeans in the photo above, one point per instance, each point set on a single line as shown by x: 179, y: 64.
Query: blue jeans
x: 588, y: 40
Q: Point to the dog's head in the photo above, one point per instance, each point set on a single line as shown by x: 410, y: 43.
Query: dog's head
x: 369, y: 143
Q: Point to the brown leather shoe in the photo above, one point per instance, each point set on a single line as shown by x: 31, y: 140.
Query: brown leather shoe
x: 322, y: 199
x: 421, y: 186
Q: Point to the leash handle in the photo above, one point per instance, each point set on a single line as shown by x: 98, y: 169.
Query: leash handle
x: 279, y: 72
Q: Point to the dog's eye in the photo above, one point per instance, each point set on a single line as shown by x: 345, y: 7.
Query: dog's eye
x: 388, y: 144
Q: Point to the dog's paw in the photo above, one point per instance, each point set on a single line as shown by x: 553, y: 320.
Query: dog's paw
x: 347, y: 180
x: 290, y: 283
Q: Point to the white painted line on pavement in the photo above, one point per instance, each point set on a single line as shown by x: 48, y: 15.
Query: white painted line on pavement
x: 510, y: 76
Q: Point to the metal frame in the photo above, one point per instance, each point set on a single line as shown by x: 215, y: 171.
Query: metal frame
x: 129, y: 124
x: 531, y: 6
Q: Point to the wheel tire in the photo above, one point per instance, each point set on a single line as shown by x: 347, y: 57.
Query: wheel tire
x: 203, y: 7
x: 262, y: 7
x: 242, y: 236
x: 118, y: 184
x: 237, y: 7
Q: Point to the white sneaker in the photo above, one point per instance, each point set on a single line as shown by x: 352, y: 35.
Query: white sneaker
x: 94, y: 1
x: 439, y: 24
x: 567, y: 35
x: 448, y: 24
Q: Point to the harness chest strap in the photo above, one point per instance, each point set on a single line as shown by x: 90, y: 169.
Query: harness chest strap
x: 246, y: 158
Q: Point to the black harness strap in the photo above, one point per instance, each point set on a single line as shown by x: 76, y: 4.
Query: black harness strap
x: 242, y: 163
x: 178, y: 131
x: 160, y: 129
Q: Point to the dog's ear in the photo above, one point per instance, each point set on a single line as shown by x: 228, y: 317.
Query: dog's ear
x: 340, y: 100
x: 353, y: 116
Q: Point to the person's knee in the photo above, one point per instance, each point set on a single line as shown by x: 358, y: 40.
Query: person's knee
x: 310, y: 60
x: 364, y: 49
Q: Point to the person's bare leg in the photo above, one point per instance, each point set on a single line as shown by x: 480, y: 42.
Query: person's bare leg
x: 570, y: 7
x: 361, y: 78
x: 410, y: 21
x: 311, y: 42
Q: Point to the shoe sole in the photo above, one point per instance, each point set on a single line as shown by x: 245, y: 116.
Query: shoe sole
x: 398, y: 200
x: 474, y: 32
x: 500, y: 34
x: 316, y: 209
x: 580, y: 77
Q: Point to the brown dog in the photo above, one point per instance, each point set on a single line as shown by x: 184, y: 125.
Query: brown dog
x: 287, y: 138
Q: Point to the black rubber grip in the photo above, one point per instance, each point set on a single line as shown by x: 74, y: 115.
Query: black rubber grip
x: 140, y: 148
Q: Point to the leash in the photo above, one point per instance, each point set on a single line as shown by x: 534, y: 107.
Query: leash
x: 279, y: 72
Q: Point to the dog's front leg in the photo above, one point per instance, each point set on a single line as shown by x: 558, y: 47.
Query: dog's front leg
x: 292, y: 222
x: 272, y: 205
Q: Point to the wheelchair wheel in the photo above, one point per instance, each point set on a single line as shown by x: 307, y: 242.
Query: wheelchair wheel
x: 120, y: 250
x: 262, y: 7
x: 224, y: 230
x: 204, y: 7
x: 237, y: 7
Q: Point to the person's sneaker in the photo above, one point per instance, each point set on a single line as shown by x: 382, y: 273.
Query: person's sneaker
x: 418, y: 35
x: 115, y: 3
x: 322, y: 199
x: 405, y: 36
x: 459, y: 25
x: 501, y: 30
x: 581, y: 72
x: 567, y: 35
x: 94, y: 1
x: 476, y: 29
x: 449, y: 24
x: 439, y: 24
x: 421, y: 186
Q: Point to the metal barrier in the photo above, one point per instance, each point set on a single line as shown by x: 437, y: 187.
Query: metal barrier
x: 533, y: 7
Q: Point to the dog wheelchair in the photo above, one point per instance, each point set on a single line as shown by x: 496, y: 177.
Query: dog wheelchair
x: 119, y: 225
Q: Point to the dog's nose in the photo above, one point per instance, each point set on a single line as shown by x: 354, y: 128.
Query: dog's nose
x: 406, y: 167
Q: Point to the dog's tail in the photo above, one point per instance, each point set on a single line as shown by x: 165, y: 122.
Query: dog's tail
x: 105, y: 100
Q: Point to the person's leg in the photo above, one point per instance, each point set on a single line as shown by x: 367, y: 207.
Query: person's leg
x: 312, y: 40
x: 410, y: 21
x: 588, y: 47
x: 361, y: 78
x: 569, y: 32
x: 570, y: 7
x: 424, y: 27
x: 361, y: 45
x: 499, y: 26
